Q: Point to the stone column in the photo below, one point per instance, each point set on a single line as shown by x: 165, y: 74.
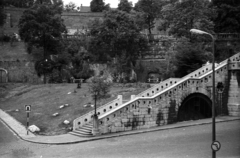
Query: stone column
x: 234, y: 94
x: 120, y: 98
x: 95, y: 130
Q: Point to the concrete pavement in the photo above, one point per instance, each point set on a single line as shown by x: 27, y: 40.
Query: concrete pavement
x: 21, y: 131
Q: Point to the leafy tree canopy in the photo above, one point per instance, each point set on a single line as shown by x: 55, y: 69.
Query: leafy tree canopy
x: 70, y: 6
x: 29, y: 3
x: 179, y: 18
x: 188, y: 57
x: 228, y: 13
x: 19, y: 3
x: 42, y: 26
x: 99, y: 88
x: 117, y: 36
x: 124, y: 5
x: 151, y: 10
x: 98, y: 6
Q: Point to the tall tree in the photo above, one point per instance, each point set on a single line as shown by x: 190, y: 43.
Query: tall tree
x: 179, y: 18
x: 98, y: 6
x: 228, y: 13
x: 124, y: 5
x: 2, y: 14
x: 70, y: 6
x: 42, y: 26
x: 188, y: 57
x: 151, y: 10
x: 117, y: 36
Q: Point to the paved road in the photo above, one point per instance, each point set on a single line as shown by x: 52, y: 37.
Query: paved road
x: 192, y: 142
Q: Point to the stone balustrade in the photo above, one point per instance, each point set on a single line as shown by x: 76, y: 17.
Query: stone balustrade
x: 79, y: 122
x: 160, y: 108
x: 158, y: 87
x: 159, y: 105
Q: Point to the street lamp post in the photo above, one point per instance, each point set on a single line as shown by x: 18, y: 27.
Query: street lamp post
x: 95, y: 130
x: 95, y: 104
x: 213, y: 85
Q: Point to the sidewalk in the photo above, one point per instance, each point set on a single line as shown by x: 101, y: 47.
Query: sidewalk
x: 21, y: 131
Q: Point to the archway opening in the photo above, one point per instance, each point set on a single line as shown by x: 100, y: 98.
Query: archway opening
x: 153, y: 77
x: 196, y: 106
x: 3, y: 75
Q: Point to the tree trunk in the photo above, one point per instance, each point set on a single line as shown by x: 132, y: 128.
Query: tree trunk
x: 44, y: 57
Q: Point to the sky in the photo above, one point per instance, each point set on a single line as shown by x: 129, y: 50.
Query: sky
x: 113, y: 3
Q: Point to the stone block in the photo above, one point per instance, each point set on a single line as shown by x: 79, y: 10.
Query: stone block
x: 146, y: 119
x: 162, y: 122
x: 66, y: 122
x: 61, y: 106
x: 119, y: 129
x: 55, y: 114
x: 165, y: 122
x: 130, y: 116
x: 148, y: 116
x: 136, y: 113
x: 128, y: 128
x: 146, y: 126
x: 33, y: 128
x: 234, y: 113
x: 113, y: 130
x: 144, y: 112
x: 117, y: 124
x: 140, y: 123
x: 124, y: 120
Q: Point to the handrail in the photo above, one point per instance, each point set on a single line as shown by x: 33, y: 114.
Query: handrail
x: 157, y: 86
x: 151, y: 97
x: 86, y: 118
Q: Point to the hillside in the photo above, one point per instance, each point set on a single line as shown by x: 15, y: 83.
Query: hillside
x: 47, y: 99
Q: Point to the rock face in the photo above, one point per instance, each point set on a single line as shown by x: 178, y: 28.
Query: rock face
x: 33, y: 128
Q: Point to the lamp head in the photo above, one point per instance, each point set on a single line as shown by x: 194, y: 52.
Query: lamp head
x: 198, y: 31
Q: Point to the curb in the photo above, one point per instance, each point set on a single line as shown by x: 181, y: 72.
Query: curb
x: 126, y: 134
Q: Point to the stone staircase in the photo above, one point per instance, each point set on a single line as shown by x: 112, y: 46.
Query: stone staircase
x: 118, y: 114
x: 84, y: 131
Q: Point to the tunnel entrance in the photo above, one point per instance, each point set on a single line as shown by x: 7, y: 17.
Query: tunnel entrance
x: 196, y: 106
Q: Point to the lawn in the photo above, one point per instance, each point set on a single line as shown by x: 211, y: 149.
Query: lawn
x: 47, y: 99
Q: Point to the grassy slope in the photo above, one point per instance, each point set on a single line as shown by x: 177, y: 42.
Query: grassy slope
x: 46, y: 99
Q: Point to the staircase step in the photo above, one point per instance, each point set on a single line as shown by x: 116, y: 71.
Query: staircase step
x: 80, y: 134
x: 88, y: 126
x: 84, y: 130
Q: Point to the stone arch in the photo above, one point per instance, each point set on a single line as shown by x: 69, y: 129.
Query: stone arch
x: 3, y: 75
x: 153, y: 76
x: 195, y: 106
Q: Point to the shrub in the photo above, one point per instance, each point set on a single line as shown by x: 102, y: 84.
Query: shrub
x: 99, y: 87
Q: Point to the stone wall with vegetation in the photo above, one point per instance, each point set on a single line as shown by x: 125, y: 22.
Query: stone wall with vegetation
x: 18, y: 63
x: 72, y: 20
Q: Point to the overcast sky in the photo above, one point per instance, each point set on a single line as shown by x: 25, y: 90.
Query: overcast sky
x: 113, y: 3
